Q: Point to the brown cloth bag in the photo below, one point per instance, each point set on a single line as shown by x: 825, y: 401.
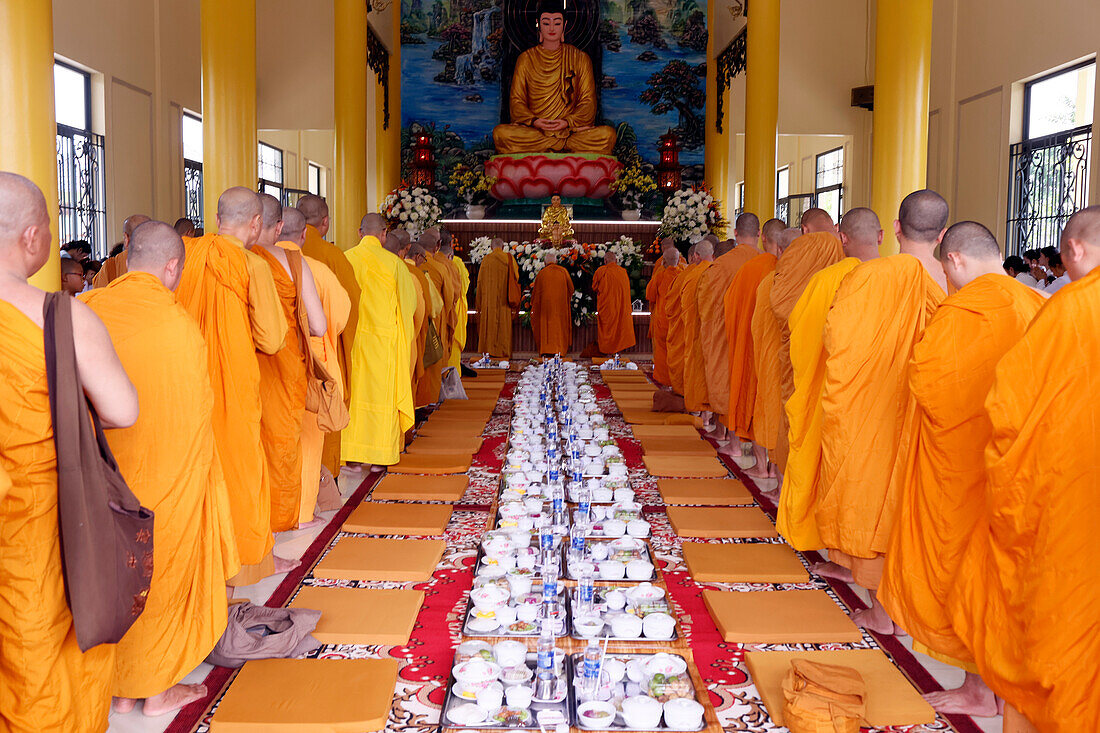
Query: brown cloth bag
x: 322, y: 393
x: 823, y: 698
x: 259, y: 632
x: 106, y: 534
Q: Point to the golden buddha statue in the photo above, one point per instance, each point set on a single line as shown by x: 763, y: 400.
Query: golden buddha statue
x: 553, y: 98
x: 555, y: 222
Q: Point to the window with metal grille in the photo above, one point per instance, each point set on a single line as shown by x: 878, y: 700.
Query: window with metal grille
x: 271, y: 170
x: 80, y: 178
x: 192, y: 169
x: 1049, y: 168
x: 313, y: 183
x: 739, y: 199
x: 829, y: 182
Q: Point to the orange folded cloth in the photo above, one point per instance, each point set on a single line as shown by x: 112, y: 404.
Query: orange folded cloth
x: 369, y: 558
x: 399, y: 519
x: 677, y: 447
x: 744, y: 563
x: 362, y: 615
x: 400, y: 487
x: 433, y: 465
x: 779, y: 617
x: 308, y: 696
x: 682, y: 466
x: 823, y: 698
x: 704, y: 491
x: 715, y: 522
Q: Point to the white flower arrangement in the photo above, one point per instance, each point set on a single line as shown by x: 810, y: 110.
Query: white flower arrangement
x: 691, y: 214
x: 414, y: 209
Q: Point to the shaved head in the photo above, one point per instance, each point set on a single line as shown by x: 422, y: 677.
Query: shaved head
x: 417, y: 250
x: 22, y: 205
x: 184, y: 227
x: 132, y: 222
x: 787, y: 236
x: 273, y: 210
x: 772, y: 228
x: 551, y: 257
x: 713, y: 239
x: 314, y: 209
x: 922, y: 216
x: 971, y: 239
x: 372, y: 225
x: 705, y: 249
x: 158, y: 249
x: 1084, y: 225
x: 238, y: 206
x: 816, y: 220
x: 611, y: 258
x: 402, y: 235
x: 1080, y: 243
x: 747, y: 227
x: 430, y: 238
x: 667, y: 242
x: 294, y: 225
x: 497, y: 243
x: 671, y: 257
x: 860, y: 232
x: 393, y: 243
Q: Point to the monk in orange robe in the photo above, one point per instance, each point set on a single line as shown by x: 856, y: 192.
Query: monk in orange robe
x: 115, y: 265
x: 420, y: 315
x: 316, y: 213
x: 867, y: 411
x: 435, y: 309
x: 231, y: 293
x: 497, y: 295
x: 943, y: 488
x: 462, y: 303
x: 449, y: 286
x: 1025, y: 598
x: 429, y: 308
x: 170, y: 463
x: 48, y: 685
x: 614, y: 317
x: 693, y: 372
x: 739, y: 304
x: 552, y: 308
x: 664, y: 272
x: 283, y: 374
x: 677, y: 333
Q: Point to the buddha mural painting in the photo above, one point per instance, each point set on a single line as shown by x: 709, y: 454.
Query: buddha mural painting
x: 553, y: 97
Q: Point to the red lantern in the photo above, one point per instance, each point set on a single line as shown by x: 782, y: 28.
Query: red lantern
x: 422, y: 167
x: 668, y: 169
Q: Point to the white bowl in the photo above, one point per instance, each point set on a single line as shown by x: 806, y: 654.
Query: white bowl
x: 588, y: 626
x: 602, y: 495
x: 615, y: 669
x: 683, y: 713
x: 476, y: 674
x: 505, y: 615
x: 510, y: 653
x: 596, y: 715
x: 488, y: 598
x: 614, y: 528
x: 637, y: 528
x: 626, y: 626
x: 612, y: 570
x: 642, y: 712
x: 644, y: 592
x: 639, y: 570
x: 615, y: 600
x: 658, y: 626
x: 666, y: 664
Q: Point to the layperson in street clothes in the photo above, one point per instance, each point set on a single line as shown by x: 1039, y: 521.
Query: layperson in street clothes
x: 49, y: 685
x: 497, y: 295
x: 231, y: 293
x: 664, y: 272
x: 170, y: 462
x: 115, y: 265
x: 551, y: 308
x: 614, y: 314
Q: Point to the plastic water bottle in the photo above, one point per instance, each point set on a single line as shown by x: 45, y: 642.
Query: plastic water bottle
x: 591, y: 668
x: 576, y: 542
x: 546, y: 533
x: 557, y: 493
x: 584, y: 505
x: 546, y: 646
x: 549, y: 580
x: 586, y: 590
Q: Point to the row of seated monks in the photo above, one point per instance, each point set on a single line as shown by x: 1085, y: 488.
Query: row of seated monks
x: 196, y: 357
x: 930, y: 423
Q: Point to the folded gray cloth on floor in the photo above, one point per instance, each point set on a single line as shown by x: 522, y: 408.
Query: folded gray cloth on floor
x: 259, y: 632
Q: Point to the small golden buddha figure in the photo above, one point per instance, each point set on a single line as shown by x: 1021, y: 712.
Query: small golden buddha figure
x: 555, y: 222
x: 553, y: 98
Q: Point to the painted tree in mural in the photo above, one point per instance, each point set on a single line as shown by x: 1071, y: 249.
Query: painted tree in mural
x: 694, y: 32
x: 678, y: 87
x: 646, y: 31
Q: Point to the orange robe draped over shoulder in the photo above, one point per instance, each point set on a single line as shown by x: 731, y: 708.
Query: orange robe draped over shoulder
x: 551, y: 310
x: 231, y: 293
x: 879, y: 313
x: 711, y: 296
x: 421, y: 318
x: 496, y: 295
x: 170, y: 463
x: 283, y: 399
x: 431, y: 282
x: 693, y: 374
x: 740, y: 305
x: 451, y: 298
x: 614, y: 318
x: 798, y: 498
x: 462, y: 309
x: 46, y: 684
x: 113, y: 267
x: 1025, y: 600
x: 679, y: 342
x: 656, y: 292
x: 765, y: 357
x: 943, y: 488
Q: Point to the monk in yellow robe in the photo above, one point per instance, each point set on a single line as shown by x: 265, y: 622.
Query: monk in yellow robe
x: 614, y: 313
x: 693, y: 372
x: 553, y: 97
x: 231, y: 293
x: 739, y: 304
x: 115, y: 265
x: 552, y: 308
x: 49, y: 685
x: 462, y: 307
x: 860, y: 236
x: 335, y: 305
x: 169, y: 461
x: 664, y: 272
x: 867, y: 411
x: 677, y: 336
x: 943, y: 489
x: 497, y: 295
x: 1025, y: 598
x: 316, y: 212
x: 283, y: 374
x: 381, y: 385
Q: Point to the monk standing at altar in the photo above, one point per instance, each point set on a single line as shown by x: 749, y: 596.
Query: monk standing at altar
x: 497, y: 295
x: 115, y: 265
x: 170, y: 463
x: 868, y: 415
x: 664, y: 272
x: 231, y: 293
x: 551, y: 308
x: 614, y: 314
x: 462, y: 307
x: 48, y: 683
x: 553, y: 98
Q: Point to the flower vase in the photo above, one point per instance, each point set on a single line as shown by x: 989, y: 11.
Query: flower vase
x: 475, y: 211
x: 631, y: 214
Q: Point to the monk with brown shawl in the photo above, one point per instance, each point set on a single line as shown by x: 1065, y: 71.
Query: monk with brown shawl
x: 664, y: 272
x: 497, y: 295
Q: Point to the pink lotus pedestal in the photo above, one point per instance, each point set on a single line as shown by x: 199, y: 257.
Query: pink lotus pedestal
x: 539, y: 175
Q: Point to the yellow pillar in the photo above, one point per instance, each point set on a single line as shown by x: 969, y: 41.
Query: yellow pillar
x: 229, y: 141
x: 761, y: 107
x: 899, y: 147
x: 350, y: 109
x: 716, y: 154
x: 28, y: 127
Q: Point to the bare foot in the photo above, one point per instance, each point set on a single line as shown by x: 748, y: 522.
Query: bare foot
x: 833, y: 571
x: 316, y: 521
x: 122, y: 705
x: 972, y: 698
x: 730, y: 448
x: 875, y: 618
x: 377, y: 468
x: 771, y: 495
x: 283, y: 565
x: 174, y: 698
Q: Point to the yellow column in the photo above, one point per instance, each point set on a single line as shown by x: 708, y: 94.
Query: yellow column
x: 761, y: 107
x: 350, y: 109
x: 899, y: 147
x: 28, y: 128
x: 716, y: 154
x: 229, y: 138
